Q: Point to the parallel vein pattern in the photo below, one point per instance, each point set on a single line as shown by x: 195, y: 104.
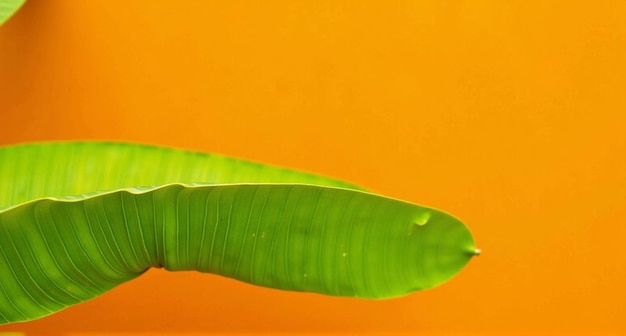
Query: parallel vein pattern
x: 59, y: 169
x: 56, y: 252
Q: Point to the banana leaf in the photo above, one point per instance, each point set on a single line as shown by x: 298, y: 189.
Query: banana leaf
x: 79, y: 218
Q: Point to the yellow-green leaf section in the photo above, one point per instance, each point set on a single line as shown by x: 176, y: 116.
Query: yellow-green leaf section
x: 8, y: 8
x: 80, y: 218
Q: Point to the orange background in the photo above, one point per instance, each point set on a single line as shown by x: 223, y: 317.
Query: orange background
x: 510, y: 115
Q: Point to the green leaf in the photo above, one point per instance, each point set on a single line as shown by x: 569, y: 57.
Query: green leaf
x: 82, y: 218
x: 8, y: 8
x: 57, y: 169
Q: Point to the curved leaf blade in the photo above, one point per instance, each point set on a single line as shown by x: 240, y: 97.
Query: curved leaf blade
x: 292, y: 237
x: 98, y: 214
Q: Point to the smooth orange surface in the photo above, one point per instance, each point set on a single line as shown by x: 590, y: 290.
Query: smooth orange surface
x: 509, y: 114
